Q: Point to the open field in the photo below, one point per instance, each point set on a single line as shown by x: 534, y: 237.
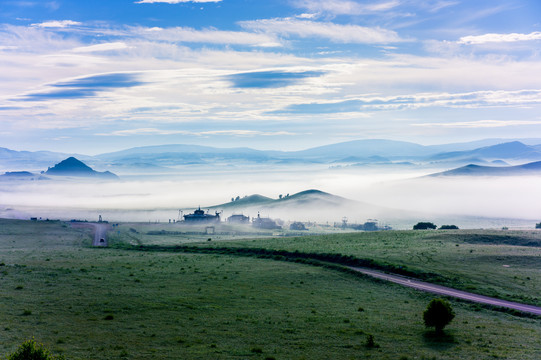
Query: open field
x: 96, y: 303
x: 502, y: 264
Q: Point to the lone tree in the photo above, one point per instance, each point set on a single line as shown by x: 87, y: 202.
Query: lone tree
x: 438, y: 314
x: 424, y: 226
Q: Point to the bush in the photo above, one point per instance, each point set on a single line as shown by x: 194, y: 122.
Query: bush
x: 438, y: 314
x: 448, y: 227
x: 370, y: 342
x: 30, y: 350
x: 424, y: 226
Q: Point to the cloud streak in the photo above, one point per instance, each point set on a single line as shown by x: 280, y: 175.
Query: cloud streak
x: 270, y: 79
x: 480, y: 124
x: 56, y: 24
x: 155, y: 131
x: 334, y: 32
x: 478, y: 99
x: 346, y: 7
x: 499, y: 38
x: 84, y: 87
x: 175, y: 1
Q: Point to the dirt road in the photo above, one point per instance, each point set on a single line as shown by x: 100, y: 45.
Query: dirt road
x: 100, y: 234
x: 100, y: 231
x: 441, y: 290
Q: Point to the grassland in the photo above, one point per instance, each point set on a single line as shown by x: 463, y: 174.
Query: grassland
x: 502, y: 264
x: 91, y: 303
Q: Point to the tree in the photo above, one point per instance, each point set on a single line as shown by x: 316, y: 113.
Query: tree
x: 438, y: 314
x: 424, y: 226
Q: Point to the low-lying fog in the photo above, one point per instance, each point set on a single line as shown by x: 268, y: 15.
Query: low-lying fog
x: 398, y: 198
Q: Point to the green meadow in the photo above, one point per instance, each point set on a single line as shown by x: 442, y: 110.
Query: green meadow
x: 119, y: 303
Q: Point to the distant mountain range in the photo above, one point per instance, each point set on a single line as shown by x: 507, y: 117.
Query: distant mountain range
x: 375, y: 152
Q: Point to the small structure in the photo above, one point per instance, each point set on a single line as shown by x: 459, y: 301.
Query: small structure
x: 298, y: 226
x: 199, y: 216
x: 238, y: 219
x: 265, y: 223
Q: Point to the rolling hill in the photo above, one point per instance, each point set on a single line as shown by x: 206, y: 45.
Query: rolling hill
x: 533, y: 168
x: 303, y: 206
x: 509, y: 151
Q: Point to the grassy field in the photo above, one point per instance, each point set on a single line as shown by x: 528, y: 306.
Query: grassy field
x: 91, y: 303
x: 503, y: 264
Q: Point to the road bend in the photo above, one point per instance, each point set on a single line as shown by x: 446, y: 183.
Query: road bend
x: 442, y: 290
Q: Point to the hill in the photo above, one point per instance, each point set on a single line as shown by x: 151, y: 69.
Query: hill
x: 73, y: 167
x: 303, y: 206
x: 514, y: 150
x: 533, y: 168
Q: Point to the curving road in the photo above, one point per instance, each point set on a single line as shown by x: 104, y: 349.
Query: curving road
x: 442, y: 290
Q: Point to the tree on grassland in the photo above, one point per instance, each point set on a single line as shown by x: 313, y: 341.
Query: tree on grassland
x: 424, y: 226
x: 438, y: 314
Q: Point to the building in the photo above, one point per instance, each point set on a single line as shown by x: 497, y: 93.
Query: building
x: 238, y: 219
x: 199, y: 217
x: 264, y: 223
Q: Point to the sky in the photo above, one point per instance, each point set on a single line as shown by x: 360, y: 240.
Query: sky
x: 97, y: 76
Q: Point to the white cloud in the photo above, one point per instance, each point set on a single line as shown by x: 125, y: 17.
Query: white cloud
x: 210, y: 36
x: 479, y: 124
x: 154, y: 131
x: 345, y: 7
x: 174, y: 1
x: 101, y: 47
x: 327, y: 30
x: 495, y: 38
x: 56, y: 24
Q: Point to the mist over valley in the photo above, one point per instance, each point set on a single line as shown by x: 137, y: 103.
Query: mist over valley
x: 394, y: 182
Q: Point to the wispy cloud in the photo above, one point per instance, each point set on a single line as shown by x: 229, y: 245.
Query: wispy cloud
x: 155, y: 131
x: 346, y: 7
x: 477, y: 99
x: 84, y: 87
x: 119, y: 45
x: 495, y: 38
x: 270, y: 79
x: 56, y: 24
x: 175, y: 1
x: 479, y: 124
x: 210, y: 36
x: 327, y: 30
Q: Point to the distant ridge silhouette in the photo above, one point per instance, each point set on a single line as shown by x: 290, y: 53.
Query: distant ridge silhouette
x: 74, y: 167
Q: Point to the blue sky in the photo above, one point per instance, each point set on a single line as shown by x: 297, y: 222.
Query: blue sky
x: 101, y: 75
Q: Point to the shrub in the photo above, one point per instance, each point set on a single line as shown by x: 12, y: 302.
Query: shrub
x: 30, y: 350
x: 370, y: 342
x: 438, y: 314
x: 424, y: 226
x: 448, y: 227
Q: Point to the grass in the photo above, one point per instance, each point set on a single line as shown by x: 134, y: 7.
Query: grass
x: 114, y: 304
x: 493, y: 263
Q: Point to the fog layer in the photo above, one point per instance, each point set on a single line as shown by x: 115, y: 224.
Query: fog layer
x: 387, y: 195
